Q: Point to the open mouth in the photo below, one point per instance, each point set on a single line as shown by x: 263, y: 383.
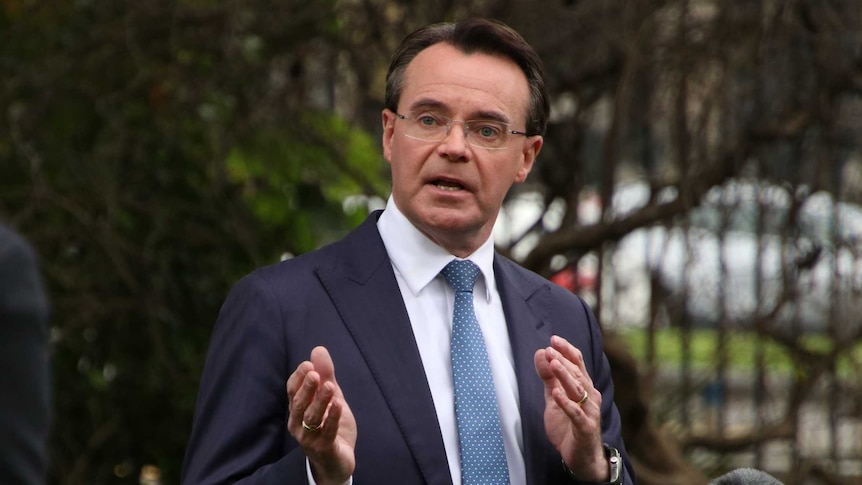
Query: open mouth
x: 447, y: 185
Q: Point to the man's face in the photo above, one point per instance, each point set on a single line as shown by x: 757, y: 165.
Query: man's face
x: 450, y: 190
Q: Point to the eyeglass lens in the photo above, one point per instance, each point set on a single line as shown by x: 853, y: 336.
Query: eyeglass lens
x: 433, y: 127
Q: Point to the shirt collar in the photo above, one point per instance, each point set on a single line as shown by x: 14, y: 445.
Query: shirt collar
x: 419, y: 259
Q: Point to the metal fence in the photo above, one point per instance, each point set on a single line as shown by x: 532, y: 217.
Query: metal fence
x: 746, y: 319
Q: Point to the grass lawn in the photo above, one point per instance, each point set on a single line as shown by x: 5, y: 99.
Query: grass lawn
x: 742, y: 349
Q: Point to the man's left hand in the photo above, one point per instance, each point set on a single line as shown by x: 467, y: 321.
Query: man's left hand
x: 573, y: 410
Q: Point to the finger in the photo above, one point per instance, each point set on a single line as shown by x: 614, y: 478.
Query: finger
x: 572, y: 385
x: 329, y: 429
x: 315, y: 413
x: 575, y: 412
x: 574, y: 358
x: 568, y: 365
x: 542, y: 364
x: 299, y: 401
x: 543, y: 369
x: 302, y: 399
x: 295, y: 380
x: 564, y: 373
x: 564, y: 350
x: 579, y: 396
x: 570, y: 371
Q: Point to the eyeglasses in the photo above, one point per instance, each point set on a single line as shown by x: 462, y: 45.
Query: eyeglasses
x: 431, y: 126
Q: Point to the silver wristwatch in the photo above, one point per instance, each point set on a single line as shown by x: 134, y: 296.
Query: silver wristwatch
x: 615, y: 462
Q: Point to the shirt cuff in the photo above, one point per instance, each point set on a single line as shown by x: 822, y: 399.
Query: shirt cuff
x: 311, y: 478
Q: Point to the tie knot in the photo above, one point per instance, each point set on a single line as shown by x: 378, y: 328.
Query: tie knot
x: 461, y: 274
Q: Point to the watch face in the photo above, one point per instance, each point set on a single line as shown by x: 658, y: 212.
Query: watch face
x: 614, y: 461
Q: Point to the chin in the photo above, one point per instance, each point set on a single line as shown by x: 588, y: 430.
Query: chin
x: 453, y: 223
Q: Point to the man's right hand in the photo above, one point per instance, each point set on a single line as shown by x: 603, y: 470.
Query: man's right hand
x: 320, y: 419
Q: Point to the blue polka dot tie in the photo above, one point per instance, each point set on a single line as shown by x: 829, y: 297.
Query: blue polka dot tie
x: 483, y: 457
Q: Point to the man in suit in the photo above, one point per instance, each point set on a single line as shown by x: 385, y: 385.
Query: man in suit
x: 528, y: 399
x: 24, y: 372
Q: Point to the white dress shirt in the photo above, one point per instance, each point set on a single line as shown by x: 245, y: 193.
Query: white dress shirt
x: 430, y: 301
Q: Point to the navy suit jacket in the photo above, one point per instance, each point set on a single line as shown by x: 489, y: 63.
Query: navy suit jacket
x: 24, y: 364
x: 346, y: 298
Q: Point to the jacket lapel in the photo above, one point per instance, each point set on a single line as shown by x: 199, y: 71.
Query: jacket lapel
x: 525, y: 304
x: 362, y: 286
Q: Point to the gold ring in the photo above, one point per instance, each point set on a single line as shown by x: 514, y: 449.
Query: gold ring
x: 309, y: 427
x: 581, y: 402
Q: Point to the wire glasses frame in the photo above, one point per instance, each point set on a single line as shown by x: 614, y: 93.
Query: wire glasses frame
x: 433, y: 127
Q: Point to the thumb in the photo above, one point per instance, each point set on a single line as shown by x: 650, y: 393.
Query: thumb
x: 323, y: 364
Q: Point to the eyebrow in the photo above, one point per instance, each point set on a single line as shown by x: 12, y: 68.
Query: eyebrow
x: 428, y: 104
x: 432, y: 104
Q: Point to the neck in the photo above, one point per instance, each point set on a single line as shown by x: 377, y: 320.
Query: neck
x: 460, y: 245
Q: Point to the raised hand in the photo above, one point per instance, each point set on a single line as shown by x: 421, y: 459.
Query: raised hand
x: 573, y: 410
x: 321, y: 420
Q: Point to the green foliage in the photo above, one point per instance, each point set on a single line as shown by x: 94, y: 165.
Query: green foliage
x: 316, y: 167
x: 150, y: 158
x: 155, y: 151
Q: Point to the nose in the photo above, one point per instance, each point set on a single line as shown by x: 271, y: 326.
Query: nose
x: 455, y: 144
x: 463, y: 124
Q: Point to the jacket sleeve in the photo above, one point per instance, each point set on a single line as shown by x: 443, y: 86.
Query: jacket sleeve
x: 602, y: 380
x: 25, y: 374
x: 239, y: 434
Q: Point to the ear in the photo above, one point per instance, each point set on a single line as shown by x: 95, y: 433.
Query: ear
x: 388, y: 118
x: 532, y: 146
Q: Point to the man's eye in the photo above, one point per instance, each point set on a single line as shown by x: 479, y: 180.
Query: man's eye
x: 488, y: 131
x: 427, y: 120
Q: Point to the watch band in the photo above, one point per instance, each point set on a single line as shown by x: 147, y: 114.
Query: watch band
x: 615, y: 464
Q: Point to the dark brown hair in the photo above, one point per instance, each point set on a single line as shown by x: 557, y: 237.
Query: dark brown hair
x: 469, y: 36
